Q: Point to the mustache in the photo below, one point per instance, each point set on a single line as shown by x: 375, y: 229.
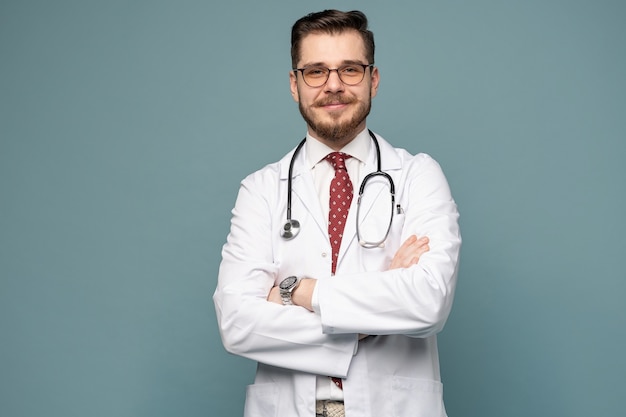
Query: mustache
x: 334, y: 99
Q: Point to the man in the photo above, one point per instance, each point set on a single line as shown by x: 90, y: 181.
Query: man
x: 340, y: 308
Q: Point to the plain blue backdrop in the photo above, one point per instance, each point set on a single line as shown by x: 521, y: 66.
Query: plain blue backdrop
x: 126, y: 126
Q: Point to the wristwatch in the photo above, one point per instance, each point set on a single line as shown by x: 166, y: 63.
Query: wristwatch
x: 286, y: 287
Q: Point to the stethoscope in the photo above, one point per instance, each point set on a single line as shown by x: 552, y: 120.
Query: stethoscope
x: 291, y: 228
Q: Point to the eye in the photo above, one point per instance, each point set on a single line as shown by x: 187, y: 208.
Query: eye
x: 351, y: 69
x: 315, y: 72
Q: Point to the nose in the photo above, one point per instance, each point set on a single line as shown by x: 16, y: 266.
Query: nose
x: 334, y: 84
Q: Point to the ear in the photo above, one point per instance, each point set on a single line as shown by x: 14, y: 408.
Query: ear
x: 293, y: 85
x: 375, y: 80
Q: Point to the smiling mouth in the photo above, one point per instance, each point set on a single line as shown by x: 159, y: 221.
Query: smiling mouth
x: 333, y: 106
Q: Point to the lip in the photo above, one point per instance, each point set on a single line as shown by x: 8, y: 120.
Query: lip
x: 334, y: 106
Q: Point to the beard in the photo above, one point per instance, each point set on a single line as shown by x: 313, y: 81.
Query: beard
x: 336, y: 130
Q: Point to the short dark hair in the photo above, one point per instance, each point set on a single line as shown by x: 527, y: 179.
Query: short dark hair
x: 331, y: 22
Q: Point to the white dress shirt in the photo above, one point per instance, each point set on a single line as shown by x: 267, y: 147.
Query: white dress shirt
x: 323, y: 173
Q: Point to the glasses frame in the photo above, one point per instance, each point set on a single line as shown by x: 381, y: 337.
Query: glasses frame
x: 365, y: 67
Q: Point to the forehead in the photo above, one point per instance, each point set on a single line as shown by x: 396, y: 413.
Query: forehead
x: 332, y: 49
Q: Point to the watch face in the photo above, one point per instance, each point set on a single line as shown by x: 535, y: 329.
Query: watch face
x: 288, y: 282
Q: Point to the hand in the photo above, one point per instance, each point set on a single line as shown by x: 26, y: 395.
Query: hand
x: 410, y: 252
x: 303, y: 293
x: 274, y: 296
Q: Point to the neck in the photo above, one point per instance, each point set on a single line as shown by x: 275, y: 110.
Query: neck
x: 338, y: 141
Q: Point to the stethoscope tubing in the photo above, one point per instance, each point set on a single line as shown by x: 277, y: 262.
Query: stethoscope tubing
x: 292, y: 227
x: 290, y: 178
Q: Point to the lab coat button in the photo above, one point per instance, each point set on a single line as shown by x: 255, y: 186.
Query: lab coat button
x: 324, y: 254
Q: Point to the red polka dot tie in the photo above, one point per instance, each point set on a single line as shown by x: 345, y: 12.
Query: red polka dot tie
x: 340, y: 199
x: 339, y: 205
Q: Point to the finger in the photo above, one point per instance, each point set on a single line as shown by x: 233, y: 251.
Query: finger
x: 415, y: 240
x: 410, y: 251
x: 416, y: 255
x: 408, y: 242
x: 420, y: 243
x: 422, y: 250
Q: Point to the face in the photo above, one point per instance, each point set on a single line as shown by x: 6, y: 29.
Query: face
x: 335, y: 113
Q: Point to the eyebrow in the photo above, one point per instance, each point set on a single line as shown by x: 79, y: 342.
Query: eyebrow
x: 344, y: 62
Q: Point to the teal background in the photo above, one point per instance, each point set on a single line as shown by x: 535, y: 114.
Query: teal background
x: 126, y: 126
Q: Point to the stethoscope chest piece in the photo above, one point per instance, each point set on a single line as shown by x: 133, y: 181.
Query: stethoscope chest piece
x: 290, y: 229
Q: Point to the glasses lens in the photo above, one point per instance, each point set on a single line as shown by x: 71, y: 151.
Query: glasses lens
x: 351, y: 74
x: 315, y: 76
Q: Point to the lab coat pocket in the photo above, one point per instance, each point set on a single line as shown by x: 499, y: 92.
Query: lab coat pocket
x: 417, y: 397
x: 261, y: 400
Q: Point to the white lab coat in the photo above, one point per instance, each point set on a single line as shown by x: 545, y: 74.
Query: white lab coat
x: 396, y: 372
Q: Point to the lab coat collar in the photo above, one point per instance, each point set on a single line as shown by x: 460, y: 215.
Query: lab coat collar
x: 298, y: 166
x: 389, y: 158
x: 358, y: 148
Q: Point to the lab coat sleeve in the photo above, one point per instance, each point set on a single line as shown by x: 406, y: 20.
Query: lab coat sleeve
x: 250, y: 326
x: 414, y: 301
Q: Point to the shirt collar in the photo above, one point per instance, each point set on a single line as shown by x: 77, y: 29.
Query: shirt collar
x: 358, y: 148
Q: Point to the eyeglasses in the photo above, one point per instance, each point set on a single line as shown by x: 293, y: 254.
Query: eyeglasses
x: 349, y: 74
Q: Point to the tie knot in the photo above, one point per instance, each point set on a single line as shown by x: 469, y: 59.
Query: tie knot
x: 337, y: 160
